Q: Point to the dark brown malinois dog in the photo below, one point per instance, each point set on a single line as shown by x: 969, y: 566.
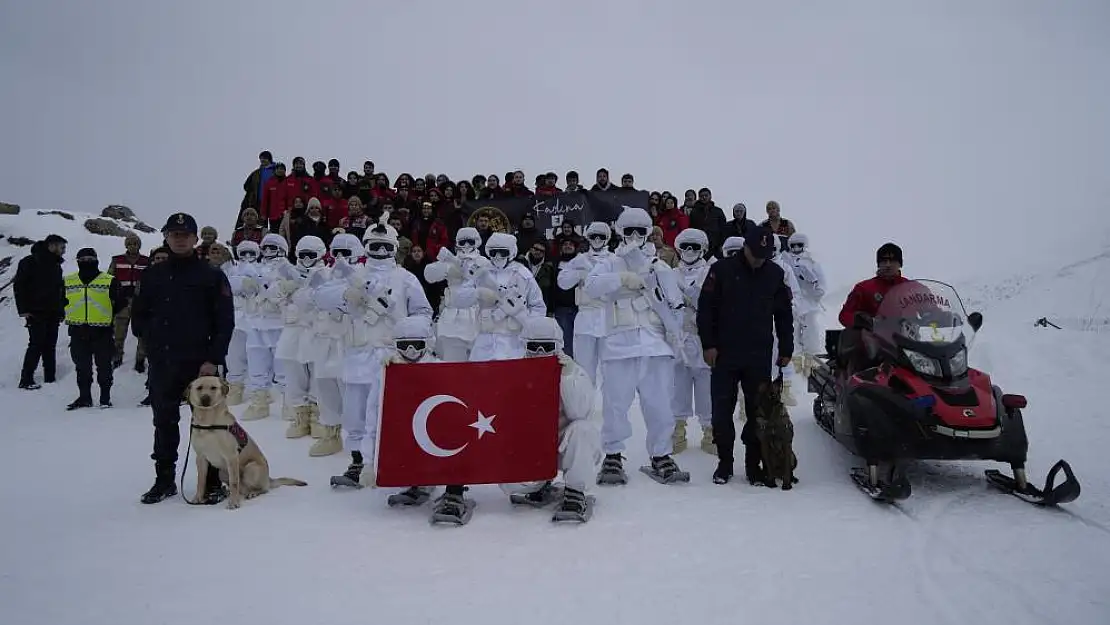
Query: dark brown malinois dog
x: 776, y: 436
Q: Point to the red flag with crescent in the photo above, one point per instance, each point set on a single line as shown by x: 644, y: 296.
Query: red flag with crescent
x: 469, y: 423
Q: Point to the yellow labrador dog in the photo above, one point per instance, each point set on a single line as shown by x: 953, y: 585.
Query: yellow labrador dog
x: 220, y: 441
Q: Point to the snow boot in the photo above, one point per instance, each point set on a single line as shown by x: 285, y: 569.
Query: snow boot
x: 30, y: 386
x: 664, y: 470
x: 412, y: 496
x: 299, y: 428
x: 328, y: 443
x: 164, y: 486
x: 707, y: 443
x: 350, y: 477
x: 259, y: 407
x: 612, y: 471
x: 723, y: 473
x: 235, y: 394
x: 145, y: 401
x: 453, y: 508
x: 678, y: 439
x: 537, y: 499
x: 576, y: 506
x: 316, y: 429
x: 788, y: 397
x: 105, y: 397
x: 83, y: 401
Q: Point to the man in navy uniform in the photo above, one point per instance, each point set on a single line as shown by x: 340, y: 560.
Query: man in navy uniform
x: 185, y: 314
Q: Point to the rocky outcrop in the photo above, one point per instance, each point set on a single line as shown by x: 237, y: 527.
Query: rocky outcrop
x: 62, y: 214
x: 142, y: 227
x: 105, y: 227
x: 20, y: 241
x: 9, y: 209
x: 117, y: 211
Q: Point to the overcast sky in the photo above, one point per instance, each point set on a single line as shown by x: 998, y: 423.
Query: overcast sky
x: 968, y: 131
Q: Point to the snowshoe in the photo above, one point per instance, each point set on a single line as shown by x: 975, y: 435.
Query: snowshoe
x: 664, y: 470
x: 896, y: 488
x: 350, y: 478
x: 612, y: 471
x: 575, y: 507
x: 452, y: 508
x: 541, y: 498
x: 412, y: 496
x: 1052, y: 494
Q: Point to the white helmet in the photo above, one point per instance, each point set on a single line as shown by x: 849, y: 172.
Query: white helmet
x: 310, y: 249
x: 598, y: 234
x: 467, y: 240
x: 412, y: 337
x: 380, y: 242
x: 541, y: 336
x: 732, y: 246
x: 274, y: 246
x: 247, y: 251
x: 691, y: 244
x: 634, y: 226
x: 799, y: 243
x: 348, y: 247
x: 501, y: 248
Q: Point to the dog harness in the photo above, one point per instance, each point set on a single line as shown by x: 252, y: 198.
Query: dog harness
x: 235, y: 429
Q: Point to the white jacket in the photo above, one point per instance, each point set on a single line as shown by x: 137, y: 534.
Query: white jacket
x: 590, y: 320
x: 455, y: 320
x: 518, y: 296
x: 632, y: 328
x: 245, y: 280
x: 690, y: 279
x: 276, y: 281
x: 811, y: 282
x: 576, y: 393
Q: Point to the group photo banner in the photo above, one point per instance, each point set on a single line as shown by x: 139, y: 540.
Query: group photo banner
x: 579, y: 207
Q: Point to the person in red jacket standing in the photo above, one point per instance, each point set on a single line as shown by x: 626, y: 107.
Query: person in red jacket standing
x: 277, y: 197
x: 671, y: 220
x: 127, y: 269
x: 865, y: 298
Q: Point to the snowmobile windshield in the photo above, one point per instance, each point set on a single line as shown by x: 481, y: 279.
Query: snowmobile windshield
x: 924, y: 313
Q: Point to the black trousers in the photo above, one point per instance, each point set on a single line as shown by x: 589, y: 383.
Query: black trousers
x: 42, y: 339
x: 167, y: 382
x: 93, y: 345
x: 724, y: 392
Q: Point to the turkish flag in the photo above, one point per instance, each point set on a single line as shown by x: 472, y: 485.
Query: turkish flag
x: 469, y: 422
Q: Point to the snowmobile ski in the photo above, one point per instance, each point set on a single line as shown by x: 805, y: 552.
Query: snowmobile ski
x: 1052, y: 494
x: 678, y: 477
x: 542, y: 498
x: 571, y: 516
x: 898, y: 490
x: 439, y: 515
x: 414, y: 496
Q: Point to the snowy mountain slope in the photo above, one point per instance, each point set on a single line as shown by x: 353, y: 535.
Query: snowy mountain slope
x: 81, y: 548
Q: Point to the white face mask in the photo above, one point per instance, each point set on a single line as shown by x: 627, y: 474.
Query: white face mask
x: 598, y: 244
x: 633, y: 240
x: 465, y: 249
x: 499, y: 261
x: 411, y: 353
x: 691, y: 256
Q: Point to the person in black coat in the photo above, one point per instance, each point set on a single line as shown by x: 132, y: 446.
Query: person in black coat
x: 185, y: 313
x: 40, y: 300
x: 740, y: 226
x: 743, y: 300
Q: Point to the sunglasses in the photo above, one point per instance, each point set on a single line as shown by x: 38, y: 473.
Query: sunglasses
x: 308, y: 255
x: 470, y: 242
x: 498, y: 253
x: 636, y: 230
x: 405, y: 344
x: 379, y: 246
x: 341, y: 252
x: 690, y: 247
x: 540, y: 347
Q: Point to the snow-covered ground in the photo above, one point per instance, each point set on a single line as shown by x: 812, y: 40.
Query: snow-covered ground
x: 78, y: 548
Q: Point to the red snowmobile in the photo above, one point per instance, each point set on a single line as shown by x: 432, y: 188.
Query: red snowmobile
x: 897, y: 387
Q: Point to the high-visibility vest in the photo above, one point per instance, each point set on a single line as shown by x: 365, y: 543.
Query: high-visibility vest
x: 88, y: 304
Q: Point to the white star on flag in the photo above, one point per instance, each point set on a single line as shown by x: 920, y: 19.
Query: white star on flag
x: 484, y: 424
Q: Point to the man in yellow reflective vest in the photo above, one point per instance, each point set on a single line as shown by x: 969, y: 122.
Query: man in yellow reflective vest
x: 92, y: 300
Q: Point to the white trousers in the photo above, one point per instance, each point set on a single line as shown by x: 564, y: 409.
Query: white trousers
x: 260, y: 358
x: 360, y: 401
x: 579, y: 458
x: 650, y: 377
x: 587, y: 351
x: 329, y: 397
x: 691, y: 394
x: 298, y: 382
x: 237, y: 358
x: 452, y: 349
x: 811, y: 340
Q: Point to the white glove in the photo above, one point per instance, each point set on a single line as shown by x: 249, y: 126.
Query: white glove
x: 487, y: 297
x: 395, y: 359
x: 632, y: 281
x: 454, y: 273
x: 355, y: 296
x: 381, y: 302
x: 287, y: 287
x: 250, y: 286
x: 512, y: 304
x: 478, y: 266
x: 564, y: 360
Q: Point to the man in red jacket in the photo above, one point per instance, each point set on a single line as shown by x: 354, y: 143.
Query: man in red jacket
x: 127, y: 269
x: 277, y: 197
x: 866, y: 297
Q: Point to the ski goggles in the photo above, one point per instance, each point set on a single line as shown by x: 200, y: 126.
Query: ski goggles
x: 270, y: 248
x: 248, y: 255
x: 307, y: 255
x: 797, y: 247
x: 540, y: 347
x: 634, y: 230
x: 466, y: 243
x: 404, y: 345
x: 380, y: 247
x: 498, y: 253
x: 341, y: 252
x: 598, y: 237
x: 690, y: 247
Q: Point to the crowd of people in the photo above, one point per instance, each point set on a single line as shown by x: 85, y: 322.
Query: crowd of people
x: 312, y: 317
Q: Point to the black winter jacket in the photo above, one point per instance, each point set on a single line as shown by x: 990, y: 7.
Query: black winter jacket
x: 710, y: 219
x: 739, y: 308
x: 38, y: 285
x: 184, y: 311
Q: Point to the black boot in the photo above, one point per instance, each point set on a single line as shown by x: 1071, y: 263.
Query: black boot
x: 164, y: 486
x: 354, y: 470
x: 105, y: 397
x: 214, y: 489
x: 84, y: 400
x: 723, y: 473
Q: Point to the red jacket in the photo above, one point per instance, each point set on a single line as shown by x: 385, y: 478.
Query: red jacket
x: 277, y: 197
x: 305, y: 187
x: 671, y: 223
x: 866, y: 298
x: 335, y: 209
x: 128, y: 271
x: 243, y: 233
x: 548, y: 191
x: 434, y: 236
